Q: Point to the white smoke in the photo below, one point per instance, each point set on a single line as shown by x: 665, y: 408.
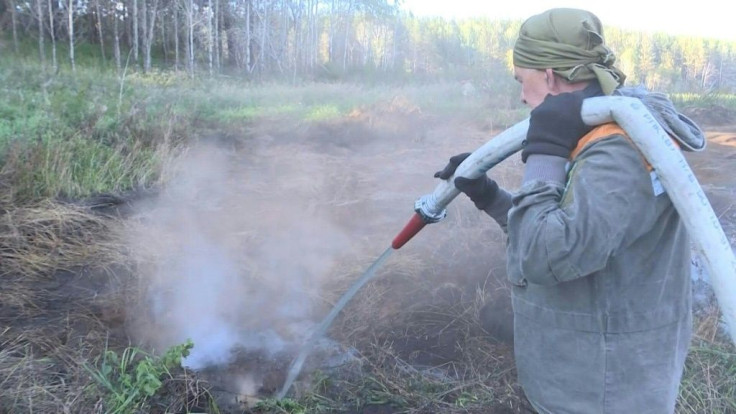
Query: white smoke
x: 230, y: 258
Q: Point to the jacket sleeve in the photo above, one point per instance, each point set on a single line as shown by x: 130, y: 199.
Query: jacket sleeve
x: 559, y: 233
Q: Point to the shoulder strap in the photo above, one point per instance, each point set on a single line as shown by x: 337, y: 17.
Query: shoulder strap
x: 597, y: 133
x: 605, y: 131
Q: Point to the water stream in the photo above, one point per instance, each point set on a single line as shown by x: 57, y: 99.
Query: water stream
x: 296, y: 365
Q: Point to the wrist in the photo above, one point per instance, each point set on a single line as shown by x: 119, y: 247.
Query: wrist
x: 543, y: 167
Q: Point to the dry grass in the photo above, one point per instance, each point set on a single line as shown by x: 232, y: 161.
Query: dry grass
x: 65, y: 286
x: 709, y: 382
x: 39, y: 240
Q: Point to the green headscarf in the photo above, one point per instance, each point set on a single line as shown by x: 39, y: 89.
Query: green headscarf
x: 570, y: 42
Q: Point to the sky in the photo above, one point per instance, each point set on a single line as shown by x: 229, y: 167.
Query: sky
x: 708, y: 19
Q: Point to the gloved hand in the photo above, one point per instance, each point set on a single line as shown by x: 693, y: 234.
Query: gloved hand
x: 481, y: 191
x: 555, y: 126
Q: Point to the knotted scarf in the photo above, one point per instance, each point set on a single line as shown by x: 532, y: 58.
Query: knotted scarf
x: 570, y: 42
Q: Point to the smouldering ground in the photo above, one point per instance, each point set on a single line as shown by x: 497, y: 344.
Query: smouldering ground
x: 247, y: 247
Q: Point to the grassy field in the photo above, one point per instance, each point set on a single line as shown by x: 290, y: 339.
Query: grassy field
x: 75, y: 149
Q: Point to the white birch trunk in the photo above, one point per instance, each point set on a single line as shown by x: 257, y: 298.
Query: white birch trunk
x: 135, y: 31
x: 52, y: 33
x: 99, y: 28
x: 210, y: 37
x: 117, y: 39
x: 176, y: 36
x: 148, y: 35
x: 71, y: 35
x: 144, y: 29
x: 14, y: 20
x: 41, y: 45
x: 190, y: 45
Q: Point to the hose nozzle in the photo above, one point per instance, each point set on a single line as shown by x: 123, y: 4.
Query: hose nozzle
x: 426, y: 213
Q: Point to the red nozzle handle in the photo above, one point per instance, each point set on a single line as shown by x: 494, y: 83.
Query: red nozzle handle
x: 412, y: 228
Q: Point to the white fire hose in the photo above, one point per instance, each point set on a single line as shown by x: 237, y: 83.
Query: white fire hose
x: 657, y: 147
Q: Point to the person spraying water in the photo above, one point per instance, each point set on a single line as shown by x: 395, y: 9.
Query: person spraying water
x: 598, y: 237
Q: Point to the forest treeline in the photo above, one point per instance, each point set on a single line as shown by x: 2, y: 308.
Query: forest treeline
x: 323, y: 39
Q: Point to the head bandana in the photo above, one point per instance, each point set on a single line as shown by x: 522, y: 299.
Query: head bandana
x: 570, y: 42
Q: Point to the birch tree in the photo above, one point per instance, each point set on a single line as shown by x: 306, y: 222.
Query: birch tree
x: 210, y: 37
x: 14, y: 22
x: 176, y: 34
x: 41, y: 46
x: 99, y: 28
x: 52, y: 33
x: 217, y: 35
x: 135, y: 30
x: 116, y: 33
x: 70, y: 15
x: 143, y: 33
x: 190, y: 37
x: 149, y: 19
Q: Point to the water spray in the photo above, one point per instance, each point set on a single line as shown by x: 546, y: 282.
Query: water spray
x: 674, y: 172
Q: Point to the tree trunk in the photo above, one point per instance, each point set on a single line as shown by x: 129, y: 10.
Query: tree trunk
x: 71, y: 35
x: 135, y: 31
x: 176, y: 36
x: 190, y: 45
x: 348, y: 25
x: 313, y: 35
x: 144, y: 30
x: 296, y: 15
x: 164, y: 48
x: 210, y: 37
x: 262, y: 52
x: 41, y: 46
x: 117, y: 38
x: 52, y: 32
x: 248, y: 57
x: 148, y: 34
x: 164, y: 45
x: 14, y: 20
x: 231, y: 43
x: 99, y: 28
x: 217, y: 35
x: 331, y: 35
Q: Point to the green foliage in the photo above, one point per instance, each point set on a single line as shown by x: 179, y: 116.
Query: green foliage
x: 132, y: 377
x: 700, y: 100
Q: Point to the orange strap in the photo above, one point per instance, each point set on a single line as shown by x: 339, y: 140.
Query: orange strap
x: 597, y: 133
x: 604, y: 131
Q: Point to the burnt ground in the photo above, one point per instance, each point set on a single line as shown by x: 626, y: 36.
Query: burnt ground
x: 443, y: 310
x: 429, y: 334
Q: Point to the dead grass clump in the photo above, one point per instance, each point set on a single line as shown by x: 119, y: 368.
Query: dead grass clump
x: 39, y: 240
x: 709, y: 381
x: 42, y: 374
x: 425, y: 358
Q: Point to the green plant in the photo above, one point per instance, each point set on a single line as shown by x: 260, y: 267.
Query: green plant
x: 132, y: 377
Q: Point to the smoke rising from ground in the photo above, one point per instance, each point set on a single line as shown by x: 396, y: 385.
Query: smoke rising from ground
x: 236, y: 251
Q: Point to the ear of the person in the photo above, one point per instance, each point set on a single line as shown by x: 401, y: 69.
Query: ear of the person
x: 553, y: 81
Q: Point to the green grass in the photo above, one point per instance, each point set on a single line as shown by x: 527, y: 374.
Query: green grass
x: 75, y: 134
x: 705, y: 100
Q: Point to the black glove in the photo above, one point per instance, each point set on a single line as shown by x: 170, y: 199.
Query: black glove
x: 481, y: 191
x: 555, y: 126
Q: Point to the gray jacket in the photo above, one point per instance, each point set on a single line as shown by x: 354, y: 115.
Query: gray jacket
x: 601, y: 287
